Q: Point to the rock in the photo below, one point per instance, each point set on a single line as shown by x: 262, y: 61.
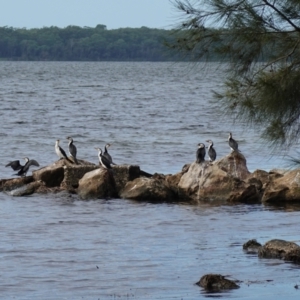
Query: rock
x: 281, y: 249
x: 216, y: 282
x: 219, y: 182
x: 72, y: 175
x: 14, y: 183
x: 51, y: 175
x: 234, y: 164
x: 26, y: 190
x: 252, y: 246
x: 172, y: 182
x: 125, y: 173
x: 153, y: 189
x: 284, y: 187
x: 97, y: 184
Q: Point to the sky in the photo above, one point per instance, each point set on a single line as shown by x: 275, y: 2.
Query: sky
x: 112, y: 13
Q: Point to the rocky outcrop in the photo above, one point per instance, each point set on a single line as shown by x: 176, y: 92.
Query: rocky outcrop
x: 226, y: 180
x: 219, y: 182
x: 216, y: 282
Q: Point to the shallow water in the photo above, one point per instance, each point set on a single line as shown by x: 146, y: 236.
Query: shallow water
x: 154, y: 114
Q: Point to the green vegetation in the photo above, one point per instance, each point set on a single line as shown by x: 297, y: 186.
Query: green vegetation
x: 261, y: 41
x: 84, y: 44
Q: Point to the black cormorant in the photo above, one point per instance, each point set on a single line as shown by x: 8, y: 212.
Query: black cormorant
x: 212, y: 154
x: 22, y: 169
x: 61, y: 152
x: 107, y: 155
x: 200, y: 154
x: 105, y: 163
x: 72, y: 149
x: 232, y: 143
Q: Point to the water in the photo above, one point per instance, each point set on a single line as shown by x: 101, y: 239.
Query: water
x: 153, y: 114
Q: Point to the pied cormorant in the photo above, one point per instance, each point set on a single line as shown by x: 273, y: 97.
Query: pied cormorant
x: 72, y: 149
x: 104, y: 162
x: 212, y: 154
x: 61, y: 152
x: 232, y: 143
x: 200, y: 154
x: 107, y: 155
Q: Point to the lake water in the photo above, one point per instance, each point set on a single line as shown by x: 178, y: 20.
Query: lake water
x: 154, y: 115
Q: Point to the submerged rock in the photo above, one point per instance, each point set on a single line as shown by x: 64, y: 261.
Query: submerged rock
x: 216, y: 282
x: 252, y: 246
x: 281, y: 249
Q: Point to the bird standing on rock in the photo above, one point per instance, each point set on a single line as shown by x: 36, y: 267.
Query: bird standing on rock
x: 61, y: 152
x: 233, y: 143
x: 72, y: 149
x: 104, y: 162
x: 15, y: 165
x: 212, y: 154
x: 107, y: 155
x: 200, y: 154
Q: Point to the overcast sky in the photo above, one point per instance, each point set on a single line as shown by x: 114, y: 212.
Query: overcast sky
x: 112, y: 13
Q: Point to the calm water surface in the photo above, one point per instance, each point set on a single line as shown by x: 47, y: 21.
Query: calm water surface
x: 153, y: 114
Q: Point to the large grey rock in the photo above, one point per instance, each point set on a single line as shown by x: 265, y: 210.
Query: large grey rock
x: 283, y: 188
x: 153, y: 189
x: 97, y: 184
x: 219, y: 182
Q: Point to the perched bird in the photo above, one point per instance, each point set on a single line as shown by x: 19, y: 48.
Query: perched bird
x: 212, y: 154
x: 107, y: 155
x: 61, y: 152
x: 22, y: 169
x: 232, y: 143
x: 72, y: 149
x: 105, y: 163
x: 200, y: 154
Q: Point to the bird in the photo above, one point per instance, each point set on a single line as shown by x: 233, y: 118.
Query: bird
x: 72, y: 149
x: 105, y: 163
x: 232, y: 143
x: 61, y: 152
x: 200, y: 154
x: 212, y: 154
x: 15, y: 165
x: 107, y: 155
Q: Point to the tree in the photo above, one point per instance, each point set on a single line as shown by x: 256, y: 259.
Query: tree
x: 260, y: 40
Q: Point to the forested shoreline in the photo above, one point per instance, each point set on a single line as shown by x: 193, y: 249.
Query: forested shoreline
x: 85, y: 44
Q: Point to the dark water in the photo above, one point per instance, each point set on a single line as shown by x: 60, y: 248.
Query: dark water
x: 154, y: 114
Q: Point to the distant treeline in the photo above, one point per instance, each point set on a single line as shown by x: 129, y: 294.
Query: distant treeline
x: 85, y: 44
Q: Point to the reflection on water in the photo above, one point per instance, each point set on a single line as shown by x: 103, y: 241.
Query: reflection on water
x: 154, y: 115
